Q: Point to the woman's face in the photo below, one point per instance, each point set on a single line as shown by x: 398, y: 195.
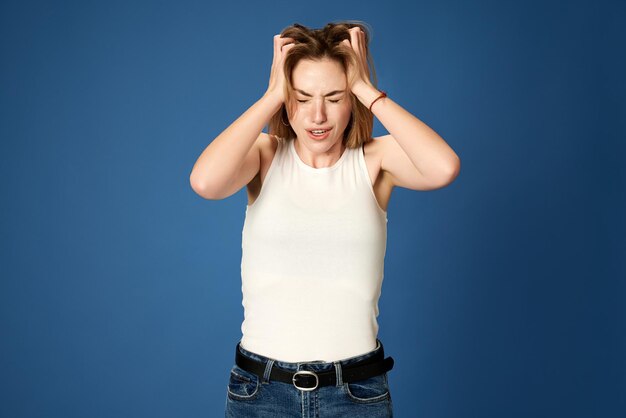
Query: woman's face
x: 323, y: 102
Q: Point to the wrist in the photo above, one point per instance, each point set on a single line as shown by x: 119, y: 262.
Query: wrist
x: 366, y: 93
x: 274, y: 98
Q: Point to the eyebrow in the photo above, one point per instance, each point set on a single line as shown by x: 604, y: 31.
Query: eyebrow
x: 332, y: 93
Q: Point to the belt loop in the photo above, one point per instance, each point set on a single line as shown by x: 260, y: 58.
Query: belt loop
x: 338, y: 373
x: 268, y: 371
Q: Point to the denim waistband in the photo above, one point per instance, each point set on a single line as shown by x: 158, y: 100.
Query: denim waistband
x: 312, y: 365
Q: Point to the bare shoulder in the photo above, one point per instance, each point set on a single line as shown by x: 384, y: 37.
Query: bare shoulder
x: 373, y: 149
x: 267, y: 145
x: 401, y: 171
x: 379, y: 146
x: 373, y: 152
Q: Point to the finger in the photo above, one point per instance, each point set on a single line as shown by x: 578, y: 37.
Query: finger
x: 361, y: 34
x: 286, y: 49
x: 363, y: 50
x: 286, y: 40
x: 276, y: 49
x: 362, y: 43
x: 363, y: 46
x: 287, y: 45
x: 354, y: 37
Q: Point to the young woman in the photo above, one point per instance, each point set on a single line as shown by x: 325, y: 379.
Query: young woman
x: 314, y: 236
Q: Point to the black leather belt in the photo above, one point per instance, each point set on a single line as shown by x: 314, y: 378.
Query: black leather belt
x: 310, y: 380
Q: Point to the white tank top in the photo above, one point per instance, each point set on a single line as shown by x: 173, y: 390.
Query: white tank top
x: 313, y: 249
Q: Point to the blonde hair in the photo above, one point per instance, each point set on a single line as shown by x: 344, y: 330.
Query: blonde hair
x: 316, y: 45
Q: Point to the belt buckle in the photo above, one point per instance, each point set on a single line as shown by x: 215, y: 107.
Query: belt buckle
x: 317, y: 381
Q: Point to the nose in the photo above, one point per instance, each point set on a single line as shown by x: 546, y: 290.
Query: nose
x: 319, y: 112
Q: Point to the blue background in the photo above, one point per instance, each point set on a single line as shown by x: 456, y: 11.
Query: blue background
x: 504, y: 293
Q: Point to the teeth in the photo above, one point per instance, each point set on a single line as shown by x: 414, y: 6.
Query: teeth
x: 318, y: 132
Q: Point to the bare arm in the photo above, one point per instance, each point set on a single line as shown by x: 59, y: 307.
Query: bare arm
x: 232, y: 159
x: 414, y: 154
x: 216, y: 169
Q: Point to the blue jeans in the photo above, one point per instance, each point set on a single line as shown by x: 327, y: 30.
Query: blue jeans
x: 251, y: 396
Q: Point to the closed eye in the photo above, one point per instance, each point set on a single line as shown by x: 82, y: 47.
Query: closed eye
x: 332, y: 101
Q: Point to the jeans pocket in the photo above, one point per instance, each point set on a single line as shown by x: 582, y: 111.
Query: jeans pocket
x: 372, y: 389
x: 242, y: 384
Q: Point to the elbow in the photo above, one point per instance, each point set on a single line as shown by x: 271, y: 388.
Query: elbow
x: 206, y: 191
x: 200, y: 188
x: 197, y: 187
x: 455, y: 168
x: 450, y: 172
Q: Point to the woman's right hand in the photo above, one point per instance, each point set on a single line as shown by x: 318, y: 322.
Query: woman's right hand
x: 277, y: 75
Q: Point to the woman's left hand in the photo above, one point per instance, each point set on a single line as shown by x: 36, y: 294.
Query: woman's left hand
x: 361, y: 74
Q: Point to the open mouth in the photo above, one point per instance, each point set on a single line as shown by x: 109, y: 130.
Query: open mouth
x: 318, y: 133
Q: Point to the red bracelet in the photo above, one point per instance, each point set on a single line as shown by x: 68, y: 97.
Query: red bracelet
x: 382, y: 94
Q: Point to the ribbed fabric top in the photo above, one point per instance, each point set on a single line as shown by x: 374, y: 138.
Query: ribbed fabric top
x: 313, y: 249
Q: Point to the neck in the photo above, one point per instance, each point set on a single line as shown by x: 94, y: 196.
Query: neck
x: 322, y: 158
